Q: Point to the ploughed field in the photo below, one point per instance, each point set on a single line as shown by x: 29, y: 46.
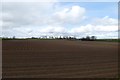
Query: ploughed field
x: 59, y: 59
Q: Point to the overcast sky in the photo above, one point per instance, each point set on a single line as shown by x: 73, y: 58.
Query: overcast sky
x: 27, y: 19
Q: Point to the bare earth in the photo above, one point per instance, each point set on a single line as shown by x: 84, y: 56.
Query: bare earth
x: 59, y: 59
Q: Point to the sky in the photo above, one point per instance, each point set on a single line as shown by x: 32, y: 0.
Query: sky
x: 55, y: 18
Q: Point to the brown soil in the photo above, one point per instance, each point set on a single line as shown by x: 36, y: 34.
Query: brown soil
x: 59, y: 59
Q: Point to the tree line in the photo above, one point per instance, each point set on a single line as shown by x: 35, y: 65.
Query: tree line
x: 87, y: 38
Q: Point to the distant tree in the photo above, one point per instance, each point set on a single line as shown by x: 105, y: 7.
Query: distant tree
x: 13, y: 37
x: 88, y: 38
x: 83, y: 39
x: 70, y: 37
x: 93, y: 37
x: 64, y: 37
x: 52, y: 37
x: 60, y: 37
x: 33, y: 38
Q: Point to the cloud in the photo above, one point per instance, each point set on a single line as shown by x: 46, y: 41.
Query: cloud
x: 106, y: 28
x: 60, y: 0
x: 93, y: 30
x: 49, y: 18
x: 71, y: 15
x: 51, y: 29
x: 105, y: 21
x: 29, y: 0
x: 104, y: 24
x: 21, y: 14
